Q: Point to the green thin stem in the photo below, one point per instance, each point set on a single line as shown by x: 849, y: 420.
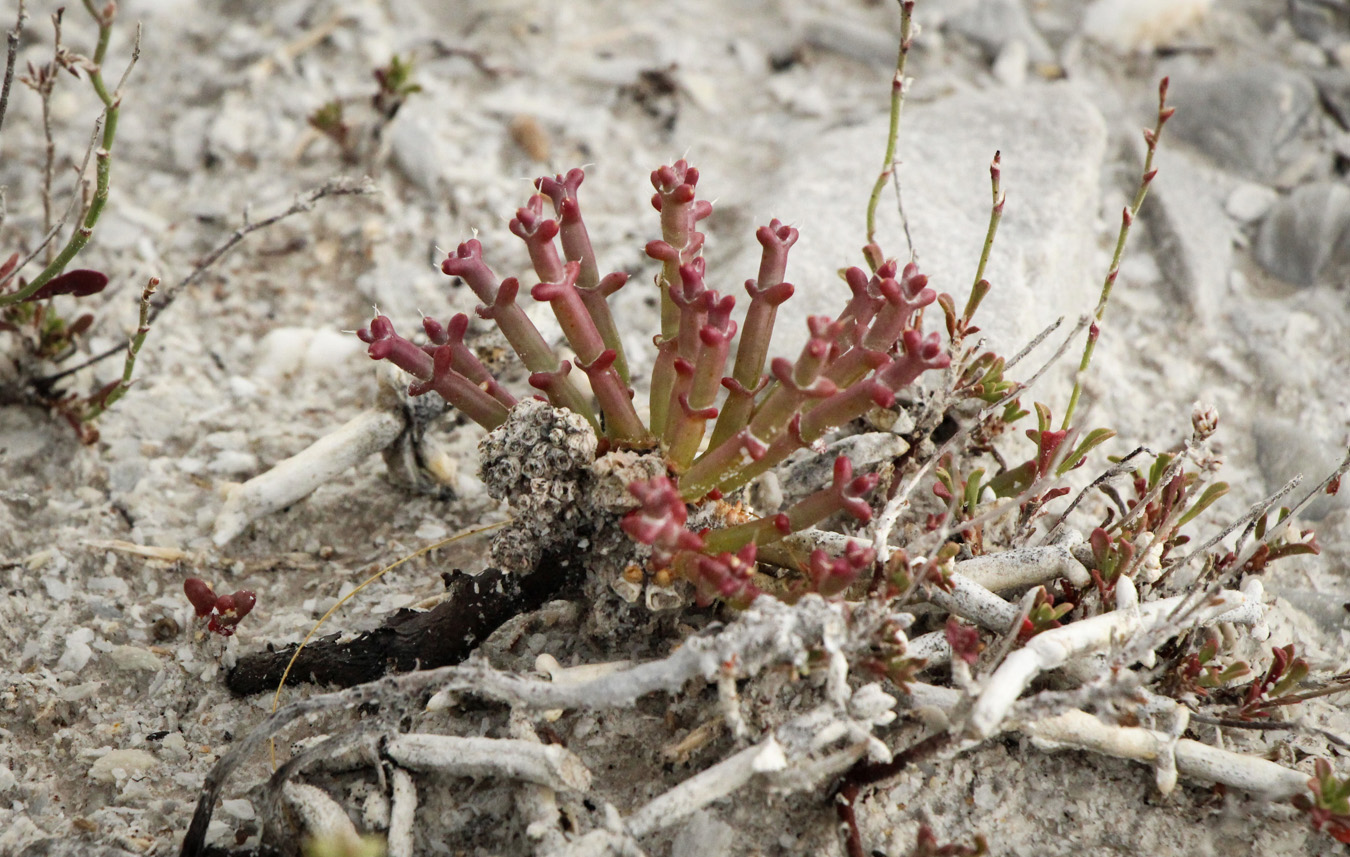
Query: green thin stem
x: 111, y: 108
x: 1151, y: 137
x: 979, y: 287
x: 102, y: 403
x: 897, y: 102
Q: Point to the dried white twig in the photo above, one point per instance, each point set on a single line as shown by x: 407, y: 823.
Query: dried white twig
x: 297, y: 477
x: 1054, y: 648
x: 542, y: 764
x: 401, y: 814
x: 703, y: 788
x: 537, y: 805
x: 320, y: 815
x: 1080, y: 730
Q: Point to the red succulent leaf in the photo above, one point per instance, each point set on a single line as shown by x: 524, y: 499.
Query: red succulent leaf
x: 200, y: 593
x: 81, y: 283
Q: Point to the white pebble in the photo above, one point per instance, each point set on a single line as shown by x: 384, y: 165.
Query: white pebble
x: 120, y: 764
x: 1139, y: 26
x: 77, y: 652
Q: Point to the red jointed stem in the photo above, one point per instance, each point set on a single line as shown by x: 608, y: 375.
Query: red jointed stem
x: 593, y: 357
x: 576, y: 244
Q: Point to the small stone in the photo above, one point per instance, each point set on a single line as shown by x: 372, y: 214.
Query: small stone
x: 1246, y: 119
x: 1249, y: 202
x: 77, y: 652
x: 1010, y: 69
x: 121, y: 764
x: 238, y: 808
x: 703, y: 834
x: 1309, y: 446
x: 995, y: 25
x: 1324, y: 24
x: 1053, y: 142
x: 1139, y: 26
x: 1305, y: 238
x: 1192, y: 237
x: 133, y: 658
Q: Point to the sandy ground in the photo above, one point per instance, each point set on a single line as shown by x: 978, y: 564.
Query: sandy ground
x: 112, y: 709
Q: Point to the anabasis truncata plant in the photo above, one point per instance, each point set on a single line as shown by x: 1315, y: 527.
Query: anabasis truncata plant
x: 716, y: 423
x: 993, y: 603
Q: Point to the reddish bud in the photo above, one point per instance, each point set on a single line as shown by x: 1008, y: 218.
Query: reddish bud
x: 200, y: 593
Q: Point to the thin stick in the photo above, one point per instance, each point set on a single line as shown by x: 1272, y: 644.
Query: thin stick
x: 104, y: 401
x: 890, y: 515
x: 897, y: 102
x: 1111, y: 472
x: 1127, y: 219
x: 44, y: 84
x: 11, y: 54
x: 305, y: 202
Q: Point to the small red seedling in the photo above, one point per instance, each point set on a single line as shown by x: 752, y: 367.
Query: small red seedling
x: 225, y: 611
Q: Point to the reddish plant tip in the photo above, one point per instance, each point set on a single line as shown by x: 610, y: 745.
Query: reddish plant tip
x: 471, y: 249
x: 200, y: 593
x: 225, y: 611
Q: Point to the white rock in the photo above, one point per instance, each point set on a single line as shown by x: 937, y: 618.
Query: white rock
x: 1052, y: 140
x: 77, y: 652
x: 121, y: 764
x: 1249, y: 202
x: 288, y: 351
x: 1130, y: 26
x: 1193, y: 240
x: 134, y: 658
x: 1010, y: 68
x: 238, y: 808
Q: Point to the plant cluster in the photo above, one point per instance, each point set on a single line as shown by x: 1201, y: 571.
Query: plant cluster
x: 1017, y: 588
x: 41, y: 334
x: 715, y: 431
x: 222, y: 612
x: 394, y: 84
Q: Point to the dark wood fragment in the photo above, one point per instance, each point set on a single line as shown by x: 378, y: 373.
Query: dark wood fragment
x: 475, y: 606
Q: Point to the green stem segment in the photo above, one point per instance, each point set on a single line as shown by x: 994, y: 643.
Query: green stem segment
x: 101, y: 402
x: 1151, y: 136
x: 112, y: 103
x: 897, y: 102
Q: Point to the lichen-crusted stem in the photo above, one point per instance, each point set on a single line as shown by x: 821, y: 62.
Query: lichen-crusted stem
x: 844, y: 494
x: 576, y: 244
x: 500, y: 306
x: 766, y: 292
x: 1126, y: 221
x: 681, y: 243
x: 593, y: 357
